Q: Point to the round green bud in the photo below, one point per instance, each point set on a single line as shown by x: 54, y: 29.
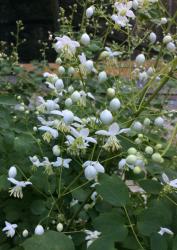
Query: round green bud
x: 132, y: 151
x: 138, y: 141
x: 131, y: 159
x: 140, y: 136
x: 147, y: 122
x: 158, y: 146
x: 156, y: 157
x: 149, y: 150
x: 137, y: 170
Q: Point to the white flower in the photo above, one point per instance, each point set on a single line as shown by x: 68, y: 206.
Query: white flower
x: 35, y: 161
x: 172, y: 183
x: 66, y: 45
x: 16, y: 191
x: 111, y: 53
x: 10, y: 228
x: 91, y: 236
x: 12, y: 172
x: 39, y: 230
x: 106, y: 117
x: 113, y: 130
x: 85, y: 39
x: 86, y: 65
x: 44, y: 122
x: 68, y: 116
x: 112, y: 143
x: 83, y: 133
x: 92, y: 168
x: 49, y: 105
x: 90, y: 11
x: 123, y: 13
x: 61, y: 162
x: 51, y: 132
x: 164, y: 230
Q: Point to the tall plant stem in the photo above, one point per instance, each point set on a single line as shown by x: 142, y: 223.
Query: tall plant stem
x: 132, y: 228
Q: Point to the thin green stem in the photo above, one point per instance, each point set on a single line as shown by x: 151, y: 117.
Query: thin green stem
x: 132, y: 228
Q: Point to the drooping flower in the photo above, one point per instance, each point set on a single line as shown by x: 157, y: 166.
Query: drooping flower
x: 16, y: 191
x: 66, y: 45
x: 86, y: 66
x: 9, y: 229
x: 49, y: 133
x: 92, y: 168
x: 35, y: 161
x: 91, y: 236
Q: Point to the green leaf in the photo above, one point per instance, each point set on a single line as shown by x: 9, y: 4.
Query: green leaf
x: 7, y: 100
x: 112, y: 224
x: 38, y: 207
x: 151, y: 219
x: 150, y: 186
x: 113, y: 190
x: 175, y: 243
x: 158, y: 242
x: 102, y: 243
x: 4, y: 183
x: 48, y: 241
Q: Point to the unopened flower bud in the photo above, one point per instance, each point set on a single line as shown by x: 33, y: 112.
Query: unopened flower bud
x: 140, y: 59
x: 56, y: 150
x: 85, y: 39
x: 111, y: 92
x: 106, y: 117
x: 39, y: 230
x: 59, y: 227
x: 25, y: 233
x: 12, y: 172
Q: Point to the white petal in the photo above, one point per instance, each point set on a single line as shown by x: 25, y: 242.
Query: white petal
x: 173, y: 183
x: 114, y: 129
x: 165, y: 178
x: 90, y: 139
x: 99, y: 168
x: 124, y: 130
x: 84, y: 132
x: 102, y: 132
